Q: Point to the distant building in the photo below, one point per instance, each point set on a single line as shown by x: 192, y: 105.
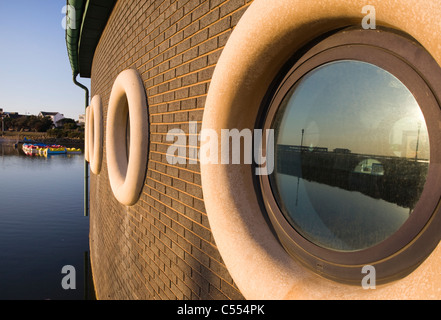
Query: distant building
x: 12, y: 115
x: 342, y: 150
x: 81, y: 119
x: 55, y: 116
x: 60, y: 123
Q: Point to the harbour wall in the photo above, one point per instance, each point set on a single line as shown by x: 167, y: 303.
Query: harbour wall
x: 397, y: 180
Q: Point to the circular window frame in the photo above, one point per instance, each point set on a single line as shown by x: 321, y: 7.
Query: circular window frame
x: 266, y: 36
x: 95, y: 134
x: 86, y: 135
x: 127, y: 173
x: 406, y: 249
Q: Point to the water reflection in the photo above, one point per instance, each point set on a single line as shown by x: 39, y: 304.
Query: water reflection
x: 352, y: 149
x: 42, y: 226
x: 8, y: 149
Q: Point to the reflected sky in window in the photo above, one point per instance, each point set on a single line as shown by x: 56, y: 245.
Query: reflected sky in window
x: 357, y: 106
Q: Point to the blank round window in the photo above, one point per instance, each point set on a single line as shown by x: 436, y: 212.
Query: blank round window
x: 351, y: 155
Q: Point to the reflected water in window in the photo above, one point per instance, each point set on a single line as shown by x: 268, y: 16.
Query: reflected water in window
x: 352, y: 155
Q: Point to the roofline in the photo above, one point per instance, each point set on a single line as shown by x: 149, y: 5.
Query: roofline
x: 81, y: 41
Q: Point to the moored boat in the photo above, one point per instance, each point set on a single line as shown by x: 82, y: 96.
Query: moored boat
x: 73, y: 150
x: 45, y: 150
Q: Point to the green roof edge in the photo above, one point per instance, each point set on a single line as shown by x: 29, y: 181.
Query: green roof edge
x: 91, y: 19
x: 73, y: 34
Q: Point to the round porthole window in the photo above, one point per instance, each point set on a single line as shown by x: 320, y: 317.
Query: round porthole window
x: 356, y: 179
x: 127, y: 137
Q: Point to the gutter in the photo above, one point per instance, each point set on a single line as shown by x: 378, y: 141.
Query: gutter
x: 86, y: 164
x: 85, y: 22
x: 75, y: 10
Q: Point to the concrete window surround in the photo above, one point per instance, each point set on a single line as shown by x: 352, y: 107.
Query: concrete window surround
x: 127, y: 173
x: 86, y: 135
x: 95, y: 134
x: 265, y: 37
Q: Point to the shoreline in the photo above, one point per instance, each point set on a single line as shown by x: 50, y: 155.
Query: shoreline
x: 78, y: 143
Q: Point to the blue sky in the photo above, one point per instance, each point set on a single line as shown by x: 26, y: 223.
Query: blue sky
x: 35, y: 73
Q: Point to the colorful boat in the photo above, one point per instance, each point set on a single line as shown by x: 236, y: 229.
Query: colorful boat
x: 55, y: 149
x: 30, y: 149
x: 36, y: 149
x: 73, y: 150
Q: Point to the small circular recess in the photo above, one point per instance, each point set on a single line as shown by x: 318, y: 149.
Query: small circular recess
x: 95, y: 134
x: 266, y: 37
x: 127, y: 172
x: 86, y: 135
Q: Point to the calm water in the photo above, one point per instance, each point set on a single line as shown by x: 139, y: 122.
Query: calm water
x: 42, y: 226
x: 320, y: 211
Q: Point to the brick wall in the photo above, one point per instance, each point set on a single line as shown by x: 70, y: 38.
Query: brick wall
x: 162, y: 247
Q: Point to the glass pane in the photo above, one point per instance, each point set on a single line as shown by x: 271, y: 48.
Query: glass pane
x: 352, y: 155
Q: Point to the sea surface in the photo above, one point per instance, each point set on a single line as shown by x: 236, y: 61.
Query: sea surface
x: 43, y: 227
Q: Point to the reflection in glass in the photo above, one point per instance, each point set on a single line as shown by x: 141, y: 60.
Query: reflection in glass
x: 370, y: 166
x: 352, y: 154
